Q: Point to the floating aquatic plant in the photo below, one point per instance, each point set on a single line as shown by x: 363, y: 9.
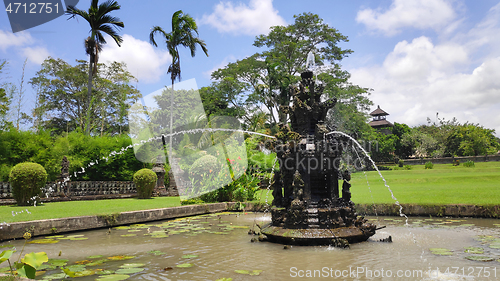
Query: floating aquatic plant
x: 189, y: 256
x: 113, y: 277
x: 480, y: 258
x: 184, y: 265
x: 130, y: 265
x: 120, y: 258
x: 253, y: 272
x: 441, y: 251
x: 129, y: 270
x: 474, y: 250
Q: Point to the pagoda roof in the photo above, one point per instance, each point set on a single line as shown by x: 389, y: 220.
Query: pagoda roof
x: 378, y: 112
x: 380, y: 123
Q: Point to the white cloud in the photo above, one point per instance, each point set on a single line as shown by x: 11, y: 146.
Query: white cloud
x: 222, y: 64
x: 145, y: 62
x: 254, y: 19
x: 35, y: 55
x: 421, y: 14
x: 9, y: 39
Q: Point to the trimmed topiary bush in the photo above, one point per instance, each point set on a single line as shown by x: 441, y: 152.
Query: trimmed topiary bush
x: 429, y: 165
x: 469, y: 164
x: 26, y: 180
x: 401, y: 163
x: 145, y: 182
x: 203, y: 167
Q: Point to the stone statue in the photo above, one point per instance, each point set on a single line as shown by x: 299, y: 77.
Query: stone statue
x: 346, y: 186
x: 64, y: 168
x: 160, y: 172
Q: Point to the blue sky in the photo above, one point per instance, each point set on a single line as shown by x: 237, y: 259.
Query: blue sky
x: 420, y: 57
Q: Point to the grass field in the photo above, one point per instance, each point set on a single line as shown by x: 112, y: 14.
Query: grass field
x: 83, y: 208
x: 445, y: 184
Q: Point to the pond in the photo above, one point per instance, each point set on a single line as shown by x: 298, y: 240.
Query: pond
x: 217, y: 246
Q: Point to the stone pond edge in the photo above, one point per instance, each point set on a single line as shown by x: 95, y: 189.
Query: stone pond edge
x: 63, y: 225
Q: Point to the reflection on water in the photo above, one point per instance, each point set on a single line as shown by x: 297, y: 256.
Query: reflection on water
x: 217, y: 245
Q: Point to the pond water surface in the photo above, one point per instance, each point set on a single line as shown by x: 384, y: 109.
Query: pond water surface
x: 216, y: 246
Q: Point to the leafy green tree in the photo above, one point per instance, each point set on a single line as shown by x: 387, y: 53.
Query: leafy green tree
x: 402, y: 150
x: 471, y: 140
x: 100, y: 23
x: 62, y: 90
x: 263, y: 80
x: 184, y: 33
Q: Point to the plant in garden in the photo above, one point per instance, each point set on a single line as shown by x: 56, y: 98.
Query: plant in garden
x: 469, y: 164
x: 145, y: 182
x: 25, y: 267
x: 407, y: 167
x: 401, y: 163
x: 456, y: 163
x: 429, y: 165
x: 26, y: 180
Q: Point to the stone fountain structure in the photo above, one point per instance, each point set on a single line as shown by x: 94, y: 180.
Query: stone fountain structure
x: 308, y: 207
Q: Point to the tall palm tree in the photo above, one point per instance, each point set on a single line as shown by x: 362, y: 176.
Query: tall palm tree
x: 184, y: 33
x: 100, y: 22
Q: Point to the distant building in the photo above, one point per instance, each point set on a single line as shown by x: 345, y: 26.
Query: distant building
x: 379, y: 121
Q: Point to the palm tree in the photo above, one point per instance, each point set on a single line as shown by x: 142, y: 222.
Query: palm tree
x: 184, y: 33
x: 100, y: 22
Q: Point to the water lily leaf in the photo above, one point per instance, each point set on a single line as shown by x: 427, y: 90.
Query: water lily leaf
x: 128, y: 235
x: 76, y: 235
x: 130, y: 265
x: 97, y: 262
x: 184, y: 265
x: 5, y: 255
x: 86, y: 272
x: 47, y: 266
x: 54, y: 276
x: 76, y: 268
x: 156, y: 253
x: 105, y: 272
x: 474, y: 250
x: 238, y: 226
x: 135, y: 230
x: 255, y: 272
x: 78, y: 238
x: 129, y: 270
x: 224, y: 279
x: 480, y: 258
x: 43, y: 241
x: 113, y: 277
x: 467, y: 224
x: 27, y: 271
x: 58, y: 262
x: 120, y: 258
x: 95, y: 257
x: 35, y: 259
x: 83, y: 262
x: 494, y: 246
x: 122, y: 227
x: 441, y: 251
x: 242, y: 271
x: 189, y: 256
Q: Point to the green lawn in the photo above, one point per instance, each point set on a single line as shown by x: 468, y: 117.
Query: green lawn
x: 83, y: 208
x: 445, y: 184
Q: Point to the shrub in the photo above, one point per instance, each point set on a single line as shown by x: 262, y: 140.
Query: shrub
x: 192, y: 201
x: 456, y: 163
x: 429, y: 165
x: 469, y: 164
x: 407, y: 167
x: 26, y: 180
x: 204, y: 165
x: 401, y: 163
x: 145, y: 182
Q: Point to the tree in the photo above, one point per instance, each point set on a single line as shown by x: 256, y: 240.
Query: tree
x: 266, y: 77
x: 63, y: 96
x: 5, y: 100
x: 100, y: 22
x: 183, y: 33
x: 471, y: 140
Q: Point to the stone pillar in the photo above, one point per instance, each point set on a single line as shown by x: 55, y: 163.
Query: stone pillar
x: 160, y: 174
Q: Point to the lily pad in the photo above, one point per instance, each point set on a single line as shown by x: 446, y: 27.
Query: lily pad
x: 76, y: 235
x: 122, y: 227
x: 95, y: 257
x: 474, y: 250
x: 44, y: 241
x: 130, y: 265
x: 83, y: 262
x: 129, y: 270
x: 128, y: 235
x: 480, y: 258
x: 156, y: 253
x: 242, y: 271
x: 54, y: 276
x: 58, y: 262
x: 120, y: 258
x: 78, y: 238
x: 113, y: 277
x: 189, y: 256
x: 184, y: 265
x: 224, y: 279
x: 441, y: 251
x: 46, y: 266
x: 97, y: 262
x: 105, y: 272
x: 494, y: 246
x: 76, y: 267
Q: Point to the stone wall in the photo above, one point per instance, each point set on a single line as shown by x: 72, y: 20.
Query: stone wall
x: 78, y: 188
x: 450, y: 160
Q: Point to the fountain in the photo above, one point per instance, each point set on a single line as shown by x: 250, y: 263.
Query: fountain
x: 308, y: 209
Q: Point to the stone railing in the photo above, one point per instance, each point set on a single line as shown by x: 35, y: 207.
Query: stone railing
x: 78, y: 188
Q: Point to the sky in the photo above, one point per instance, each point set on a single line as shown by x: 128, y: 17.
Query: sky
x: 419, y: 57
